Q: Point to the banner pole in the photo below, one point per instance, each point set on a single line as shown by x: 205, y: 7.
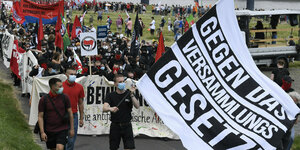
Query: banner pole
x: 90, y: 65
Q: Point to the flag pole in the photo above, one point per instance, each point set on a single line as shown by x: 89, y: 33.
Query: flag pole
x: 90, y: 65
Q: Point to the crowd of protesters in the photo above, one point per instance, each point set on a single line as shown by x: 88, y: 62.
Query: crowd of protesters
x: 113, y: 57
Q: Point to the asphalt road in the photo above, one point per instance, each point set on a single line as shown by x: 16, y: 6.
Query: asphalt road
x: 141, y: 142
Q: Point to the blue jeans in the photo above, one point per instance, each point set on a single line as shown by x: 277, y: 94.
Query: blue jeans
x: 291, y: 138
x: 71, y: 141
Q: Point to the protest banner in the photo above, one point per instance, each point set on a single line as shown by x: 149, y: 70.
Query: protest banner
x: 96, y: 122
x: 8, y: 4
x: 208, y: 90
x: 101, y: 32
x: 7, y: 45
x: 25, y: 67
x: 33, y: 11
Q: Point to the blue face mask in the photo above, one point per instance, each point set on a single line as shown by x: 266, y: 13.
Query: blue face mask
x: 102, y: 68
x: 60, y: 90
x: 121, y: 86
x: 53, y: 71
x: 72, y: 78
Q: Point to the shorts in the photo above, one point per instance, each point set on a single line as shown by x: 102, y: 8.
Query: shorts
x: 118, y: 131
x: 152, y: 31
x: 99, y: 18
x: 60, y: 137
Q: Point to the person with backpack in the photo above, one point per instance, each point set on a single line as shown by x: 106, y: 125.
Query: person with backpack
x: 55, y: 117
x: 109, y: 22
x: 279, y: 72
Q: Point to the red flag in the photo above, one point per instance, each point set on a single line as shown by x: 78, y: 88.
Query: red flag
x: 186, y: 26
x: 18, y: 16
x: 58, y: 38
x: 16, y: 58
x: 160, y: 47
x: 76, y: 29
x: 40, y: 34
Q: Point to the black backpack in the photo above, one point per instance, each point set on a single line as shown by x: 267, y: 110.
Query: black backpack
x: 280, y: 73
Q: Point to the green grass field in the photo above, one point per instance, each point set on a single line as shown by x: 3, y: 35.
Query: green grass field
x: 15, y: 133
x: 296, y: 144
x: 169, y: 36
x: 294, y: 64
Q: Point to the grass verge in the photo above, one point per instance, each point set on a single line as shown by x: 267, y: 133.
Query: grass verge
x: 296, y: 144
x: 294, y: 64
x: 15, y: 132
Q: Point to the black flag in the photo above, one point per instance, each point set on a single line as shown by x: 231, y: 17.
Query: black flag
x: 135, y: 44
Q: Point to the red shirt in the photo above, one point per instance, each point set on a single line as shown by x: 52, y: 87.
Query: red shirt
x: 54, y: 122
x: 74, y: 92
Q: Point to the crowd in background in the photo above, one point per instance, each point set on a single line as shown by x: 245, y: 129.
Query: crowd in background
x: 113, y: 53
x: 177, y: 25
x: 113, y: 57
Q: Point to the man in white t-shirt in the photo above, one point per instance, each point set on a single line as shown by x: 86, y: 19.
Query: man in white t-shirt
x: 152, y: 26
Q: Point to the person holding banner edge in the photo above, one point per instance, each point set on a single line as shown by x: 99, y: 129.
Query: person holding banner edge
x: 75, y: 93
x: 120, y: 103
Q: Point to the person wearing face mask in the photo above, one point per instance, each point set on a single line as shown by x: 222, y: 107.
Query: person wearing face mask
x: 120, y: 103
x: 53, y: 127
x: 76, y: 94
x: 50, y: 70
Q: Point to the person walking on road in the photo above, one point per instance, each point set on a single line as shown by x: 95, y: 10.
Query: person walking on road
x: 76, y: 94
x: 120, y: 103
x: 53, y: 126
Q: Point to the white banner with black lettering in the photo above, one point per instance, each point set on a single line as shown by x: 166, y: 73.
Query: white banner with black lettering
x: 96, y: 122
x: 7, y: 46
x: 25, y: 67
x: 208, y: 90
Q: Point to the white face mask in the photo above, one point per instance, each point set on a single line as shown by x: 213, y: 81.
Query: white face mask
x: 72, y: 78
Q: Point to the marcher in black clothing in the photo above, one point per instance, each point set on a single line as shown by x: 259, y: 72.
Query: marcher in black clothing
x: 120, y: 103
x: 279, y: 72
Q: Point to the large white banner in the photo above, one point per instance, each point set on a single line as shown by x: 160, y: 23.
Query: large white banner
x: 208, y: 90
x: 25, y: 67
x: 40, y: 87
x: 7, y: 46
x: 88, y: 44
x: 8, y: 4
x: 96, y: 122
